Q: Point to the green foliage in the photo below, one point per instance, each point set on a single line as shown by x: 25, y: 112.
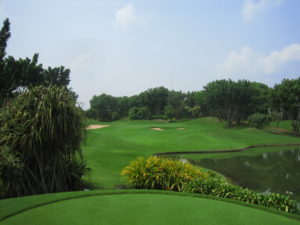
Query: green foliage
x: 4, y: 36
x: 19, y: 75
x: 220, y: 188
x: 115, y: 116
x: 161, y: 173
x: 276, y: 117
x: 285, y: 97
x: 155, y: 99
x: 102, y: 107
x: 177, y: 99
x: 193, y: 111
x: 10, y: 171
x: 139, y: 113
x: 149, y: 104
x: 169, y: 113
x: 259, y: 120
x: 40, y: 132
x: 235, y: 101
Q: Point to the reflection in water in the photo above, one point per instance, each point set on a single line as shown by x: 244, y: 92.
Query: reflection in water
x: 269, y: 172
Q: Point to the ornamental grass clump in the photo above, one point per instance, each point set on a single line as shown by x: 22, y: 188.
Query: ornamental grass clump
x: 40, y: 135
x: 161, y: 173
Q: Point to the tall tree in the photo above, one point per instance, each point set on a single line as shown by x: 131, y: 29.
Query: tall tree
x: 4, y: 36
x: 286, y: 98
x: 103, y: 107
x: 155, y: 99
x: 235, y: 101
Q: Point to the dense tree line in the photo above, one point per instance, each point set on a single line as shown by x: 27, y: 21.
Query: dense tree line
x: 226, y: 99
x: 236, y: 101
x: 153, y: 103
x: 231, y: 101
x: 285, y: 99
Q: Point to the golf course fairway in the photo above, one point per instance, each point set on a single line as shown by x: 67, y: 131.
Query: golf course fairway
x: 108, y: 150
x: 141, y: 208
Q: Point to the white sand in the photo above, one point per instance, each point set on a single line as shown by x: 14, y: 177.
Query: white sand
x: 156, y: 128
x: 90, y: 127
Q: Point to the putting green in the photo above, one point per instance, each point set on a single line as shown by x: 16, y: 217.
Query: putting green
x: 142, y: 209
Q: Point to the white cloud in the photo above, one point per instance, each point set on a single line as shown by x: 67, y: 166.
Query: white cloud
x: 126, y: 17
x: 247, y: 61
x: 252, y: 7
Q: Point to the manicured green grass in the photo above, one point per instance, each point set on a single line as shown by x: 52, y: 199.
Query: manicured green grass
x: 284, y: 124
x: 134, y: 207
x: 249, y: 152
x: 108, y: 150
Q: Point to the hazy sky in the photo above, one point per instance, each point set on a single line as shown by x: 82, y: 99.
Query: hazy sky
x: 122, y: 47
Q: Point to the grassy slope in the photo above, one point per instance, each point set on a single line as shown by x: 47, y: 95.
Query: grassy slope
x: 133, y: 207
x: 108, y: 150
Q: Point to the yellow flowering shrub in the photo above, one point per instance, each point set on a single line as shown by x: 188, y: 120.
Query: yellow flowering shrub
x: 161, y: 173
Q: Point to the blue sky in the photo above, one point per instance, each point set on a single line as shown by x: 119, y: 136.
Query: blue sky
x: 123, y: 47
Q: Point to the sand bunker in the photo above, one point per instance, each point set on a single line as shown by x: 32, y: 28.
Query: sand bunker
x: 156, y: 128
x: 90, y: 127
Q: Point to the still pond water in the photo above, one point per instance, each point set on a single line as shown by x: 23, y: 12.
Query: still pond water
x: 269, y: 172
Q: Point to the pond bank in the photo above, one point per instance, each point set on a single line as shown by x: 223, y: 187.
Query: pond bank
x: 224, y: 151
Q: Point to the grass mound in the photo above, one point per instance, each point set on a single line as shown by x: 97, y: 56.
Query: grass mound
x: 136, y: 207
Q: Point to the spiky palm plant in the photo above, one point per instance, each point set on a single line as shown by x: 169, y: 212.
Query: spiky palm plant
x: 43, y: 128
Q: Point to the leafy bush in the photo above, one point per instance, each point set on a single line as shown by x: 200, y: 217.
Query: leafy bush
x: 259, y: 120
x: 40, y: 135
x: 115, y: 116
x: 220, y: 188
x: 139, y: 113
x: 10, y: 171
x: 169, y: 113
x: 161, y: 173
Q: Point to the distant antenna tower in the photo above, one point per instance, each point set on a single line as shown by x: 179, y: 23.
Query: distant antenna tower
x: 171, y: 81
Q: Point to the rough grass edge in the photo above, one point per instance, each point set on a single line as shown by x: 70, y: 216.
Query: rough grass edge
x: 75, y: 195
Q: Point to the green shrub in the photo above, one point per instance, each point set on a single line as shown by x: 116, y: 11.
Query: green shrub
x: 40, y: 135
x: 161, y: 173
x: 10, y: 171
x: 139, y: 113
x: 115, y: 116
x: 220, y: 188
x: 169, y: 113
x: 259, y: 120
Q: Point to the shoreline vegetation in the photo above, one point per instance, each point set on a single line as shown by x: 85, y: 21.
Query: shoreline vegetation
x: 225, y: 151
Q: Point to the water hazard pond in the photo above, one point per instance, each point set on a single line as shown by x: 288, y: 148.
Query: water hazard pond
x: 277, y: 171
